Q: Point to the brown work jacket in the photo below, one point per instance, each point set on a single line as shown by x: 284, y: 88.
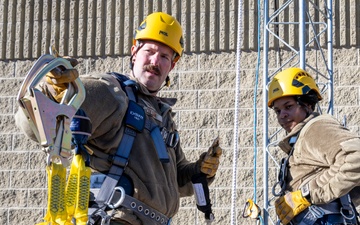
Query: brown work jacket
x: 326, y: 156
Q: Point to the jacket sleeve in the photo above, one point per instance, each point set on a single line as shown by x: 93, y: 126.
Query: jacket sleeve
x: 340, y: 150
x: 185, y: 170
x: 105, y: 104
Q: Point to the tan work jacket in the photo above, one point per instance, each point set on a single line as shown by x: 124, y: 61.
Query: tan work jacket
x: 157, y: 184
x: 326, y: 156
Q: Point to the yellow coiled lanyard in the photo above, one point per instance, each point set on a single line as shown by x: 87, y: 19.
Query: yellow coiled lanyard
x: 68, y: 201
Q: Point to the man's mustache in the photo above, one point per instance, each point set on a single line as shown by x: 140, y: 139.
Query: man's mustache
x: 152, y: 68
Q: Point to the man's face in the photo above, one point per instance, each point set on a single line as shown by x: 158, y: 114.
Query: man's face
x: 152, y: 63
x: 289, y: 113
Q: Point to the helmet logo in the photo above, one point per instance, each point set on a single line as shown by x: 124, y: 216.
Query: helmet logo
x: 301, y: 74
x: 163, y: 33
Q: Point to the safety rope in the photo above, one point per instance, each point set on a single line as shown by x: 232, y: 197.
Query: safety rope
x: 254, y: 208
x: 236, y: 120
x: 251, y: 209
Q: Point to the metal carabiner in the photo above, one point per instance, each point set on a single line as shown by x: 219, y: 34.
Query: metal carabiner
x: 49, y: 120
x: 33, y: 72
x: 251, y: 209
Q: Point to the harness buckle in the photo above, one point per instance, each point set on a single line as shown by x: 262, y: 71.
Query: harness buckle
x: 171, y: 139
x: 316, y: 211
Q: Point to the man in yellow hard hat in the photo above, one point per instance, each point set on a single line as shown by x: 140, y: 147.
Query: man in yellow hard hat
x: 134, y: 137
x: 319, y: 180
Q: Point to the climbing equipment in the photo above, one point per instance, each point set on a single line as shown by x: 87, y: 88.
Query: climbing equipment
x: 107, y: 191
x: 56, y: 142
x: 52, y: 124
x: 251, y: 209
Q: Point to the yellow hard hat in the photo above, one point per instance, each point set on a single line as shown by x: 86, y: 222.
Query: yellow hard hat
x: 163, y: 28
x: 291, y: 82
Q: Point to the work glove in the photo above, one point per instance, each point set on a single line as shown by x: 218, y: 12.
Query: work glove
x: 290, y: 205
x: 59, y: 79
x: 211, y: 159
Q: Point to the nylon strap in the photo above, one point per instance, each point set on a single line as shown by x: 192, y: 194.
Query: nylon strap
x: 78, y: 191
x: 159, y: 145
x: 315, y: 212
x: 116, y: 171
x: 145, y: 210
x: 122, y: 153
x: 56, y: 210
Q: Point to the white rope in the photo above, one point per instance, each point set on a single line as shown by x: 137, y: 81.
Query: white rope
x: 236, y: 120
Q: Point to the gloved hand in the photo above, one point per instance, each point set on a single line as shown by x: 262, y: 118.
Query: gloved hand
x: 290, y: 205
x: 59, y: 79
x: 211, y: 159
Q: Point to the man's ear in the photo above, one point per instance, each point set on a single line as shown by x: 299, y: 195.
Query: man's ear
x: 133, y: 49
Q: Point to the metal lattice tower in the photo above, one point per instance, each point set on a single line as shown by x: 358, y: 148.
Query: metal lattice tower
x: 297, y: 31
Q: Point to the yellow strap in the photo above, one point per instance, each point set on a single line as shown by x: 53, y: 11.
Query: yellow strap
x: 56, y: 211
x: 71, y: 189
x: 66, y: 203
x: 78, y: 191
x: 83, y: 192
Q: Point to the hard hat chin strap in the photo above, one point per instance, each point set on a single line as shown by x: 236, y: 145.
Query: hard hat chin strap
x: 167, y: 84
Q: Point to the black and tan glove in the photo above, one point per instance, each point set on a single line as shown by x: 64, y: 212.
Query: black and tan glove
x: 59, y: 79
x: 211, y: 159
x: 290, y: 205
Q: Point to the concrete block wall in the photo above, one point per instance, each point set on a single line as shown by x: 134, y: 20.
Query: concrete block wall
x: 98, y: 33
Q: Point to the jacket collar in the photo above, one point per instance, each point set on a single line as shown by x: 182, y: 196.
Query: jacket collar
x: 285, y: 144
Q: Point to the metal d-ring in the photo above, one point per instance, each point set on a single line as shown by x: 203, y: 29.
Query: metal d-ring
x: 121, y: 199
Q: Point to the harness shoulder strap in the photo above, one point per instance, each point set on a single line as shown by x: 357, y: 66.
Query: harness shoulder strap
x: 134, y: 123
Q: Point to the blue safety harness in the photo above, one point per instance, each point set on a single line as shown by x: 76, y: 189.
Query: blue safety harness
x: 135, y: 122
